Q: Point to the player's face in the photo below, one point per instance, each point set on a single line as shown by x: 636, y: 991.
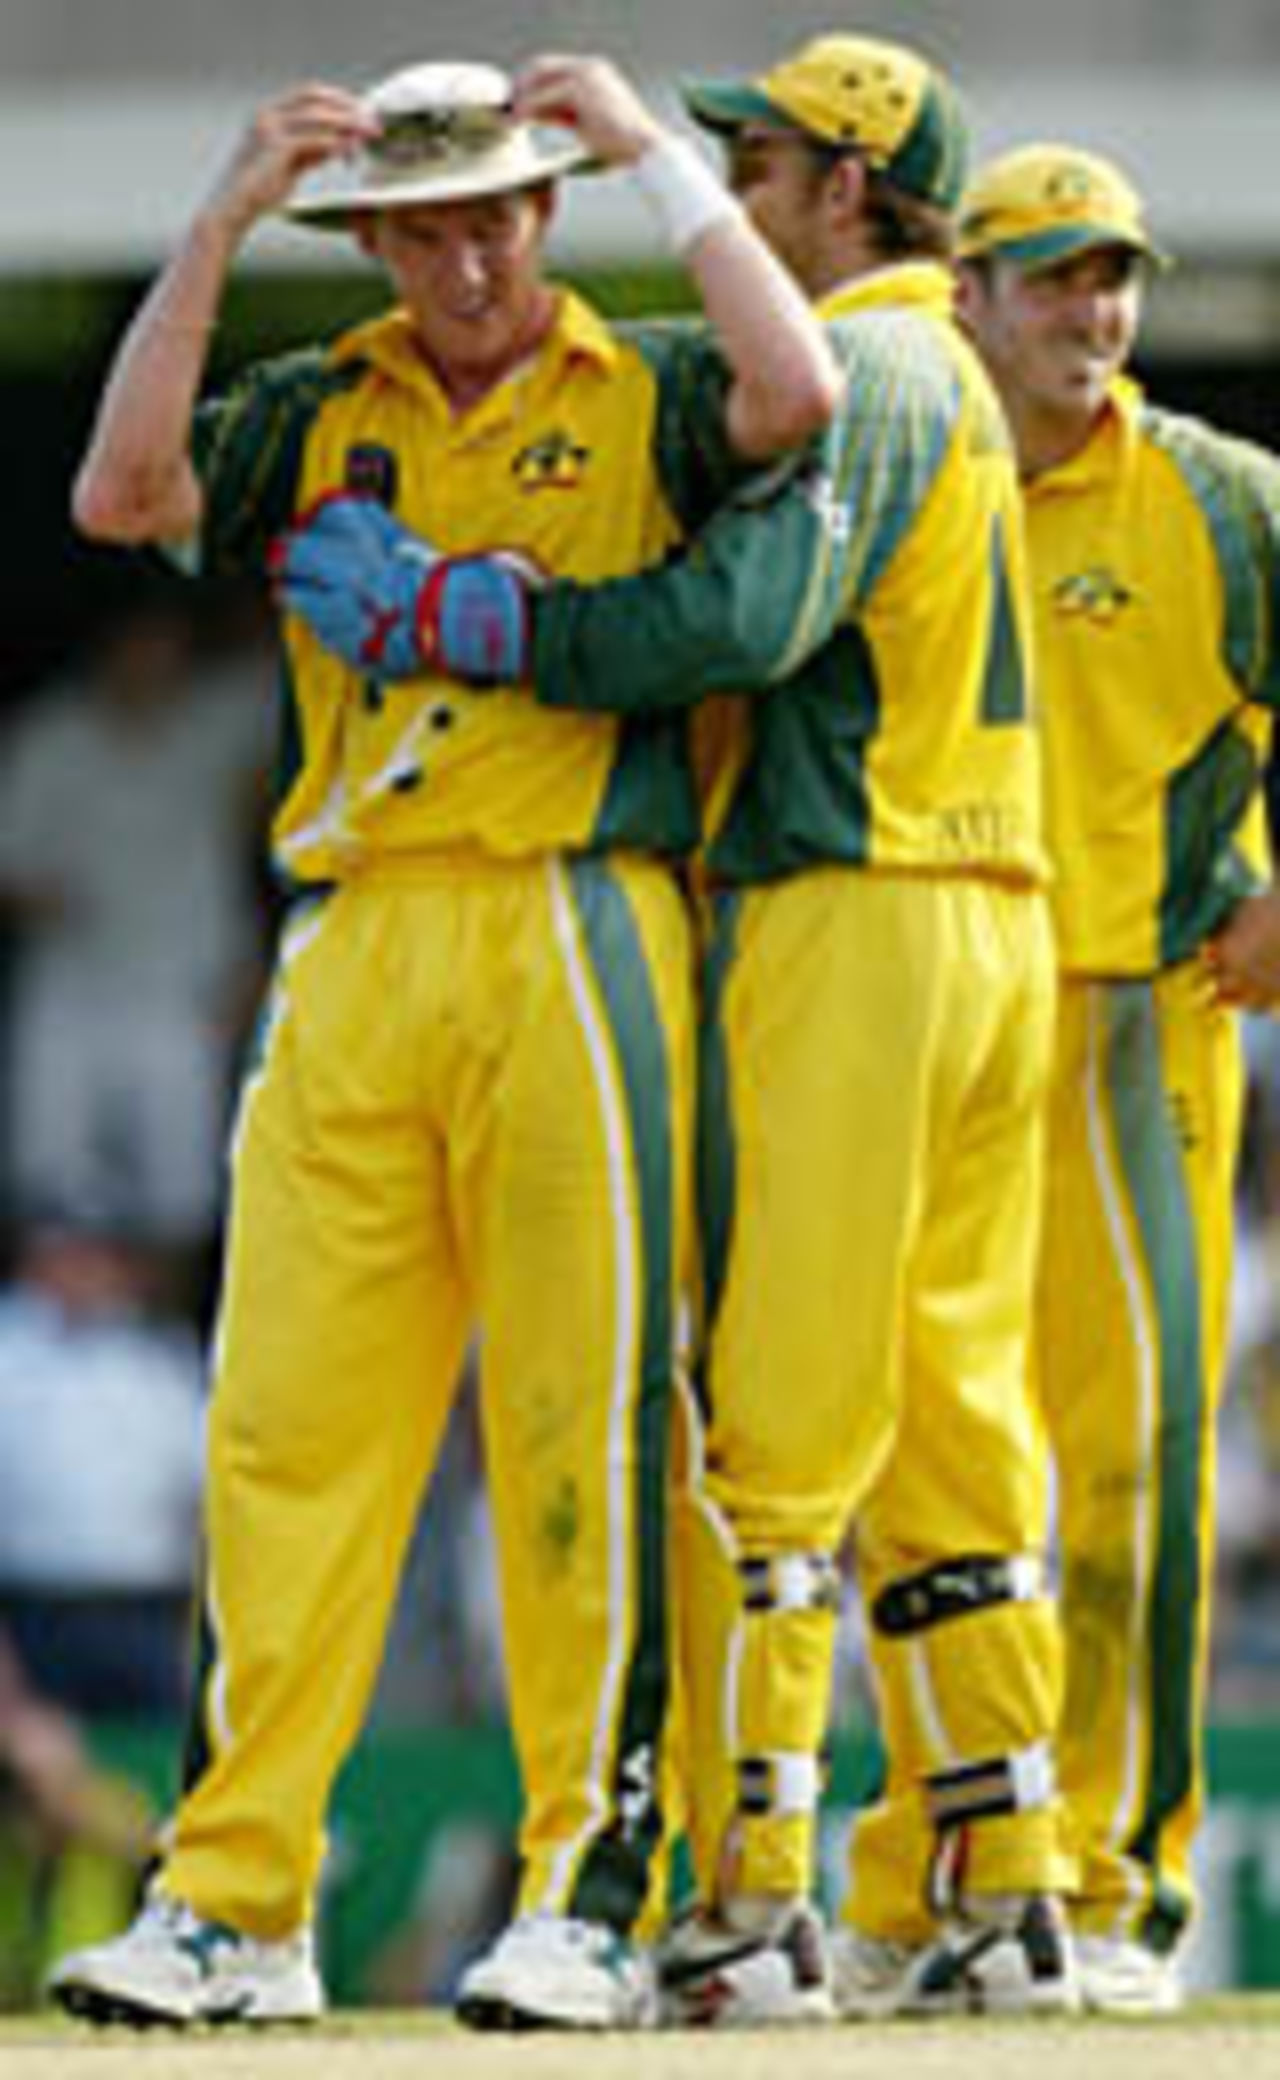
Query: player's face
x: 777, y: 177
x: 1055, y: 338
x: 470, y: 276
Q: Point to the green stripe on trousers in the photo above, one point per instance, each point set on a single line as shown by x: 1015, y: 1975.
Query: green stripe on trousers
x: 613, y: 1877
x: 1155, y: 1181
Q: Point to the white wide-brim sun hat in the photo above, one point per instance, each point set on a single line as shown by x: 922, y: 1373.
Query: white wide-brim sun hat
x: 447, y: 134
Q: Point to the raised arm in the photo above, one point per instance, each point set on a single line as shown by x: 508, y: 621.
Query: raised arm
x: 136, y: 483
x: 786, y: 383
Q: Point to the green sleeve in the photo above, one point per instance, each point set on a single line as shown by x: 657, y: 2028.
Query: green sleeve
x: 1237, y: 488
x: 788, y: 557
x: 1260, y: 475
x: 247, y: 447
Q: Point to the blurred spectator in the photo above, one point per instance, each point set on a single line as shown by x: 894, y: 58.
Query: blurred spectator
x: 101, y: 1439
x: 126, y: 792
x: 74, y: 1838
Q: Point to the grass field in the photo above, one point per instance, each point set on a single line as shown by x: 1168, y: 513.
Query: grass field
x: 1237, y: 2037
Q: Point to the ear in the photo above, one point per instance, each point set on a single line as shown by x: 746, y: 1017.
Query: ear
x: 364, y: 230
x: 844, y: 190
x: 969, y: 293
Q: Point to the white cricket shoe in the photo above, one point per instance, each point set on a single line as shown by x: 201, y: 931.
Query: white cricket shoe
x: 546, y: 1972
x: 715, y: 1976
x: 1001, y: 1956
x: 172, y: 1966
x: 869, y: 1973
x: 1120, y: 1976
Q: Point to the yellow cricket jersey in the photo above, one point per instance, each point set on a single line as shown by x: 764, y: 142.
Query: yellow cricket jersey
x: 876, y: 595
x: 1155, y: 555
x: 573, y: 462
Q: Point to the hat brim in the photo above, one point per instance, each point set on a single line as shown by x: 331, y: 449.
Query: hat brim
x: 330, y: 200
x: 1043, y: 249
x: 726, y: 105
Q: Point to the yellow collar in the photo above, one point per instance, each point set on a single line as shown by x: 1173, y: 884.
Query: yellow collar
x: 1107, y: 450
x: 389, y: 344
x: 916, y: 284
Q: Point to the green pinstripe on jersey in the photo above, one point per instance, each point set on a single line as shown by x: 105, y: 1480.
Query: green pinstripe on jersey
x: 908, y: 399
x: 1151, y: 1165
x: 836, y: 514
x: 866, y: 583
x: 611, y: 1881
x: 817, y: 784
x: 881, y: 472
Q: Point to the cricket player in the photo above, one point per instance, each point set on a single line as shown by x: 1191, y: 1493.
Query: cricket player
x: 875, y: 1050
x: 1155, y: 557
x: 471, y: 1103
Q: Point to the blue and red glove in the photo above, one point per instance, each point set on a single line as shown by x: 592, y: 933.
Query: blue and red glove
x: 391, y: 606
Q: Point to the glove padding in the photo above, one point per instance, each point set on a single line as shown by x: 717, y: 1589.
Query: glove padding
x: 355, y: 575
x: 386, y: 602
x: 474, y: 618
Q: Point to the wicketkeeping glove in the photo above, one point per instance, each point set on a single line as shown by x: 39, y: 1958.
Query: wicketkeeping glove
x: 388, y: 603
x: 474, y: 618
x: 354, y: 575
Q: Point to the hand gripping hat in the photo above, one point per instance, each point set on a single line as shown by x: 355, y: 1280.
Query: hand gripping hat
x: 1047, y: 202
x: 857, y: 93
x: 446, y: 135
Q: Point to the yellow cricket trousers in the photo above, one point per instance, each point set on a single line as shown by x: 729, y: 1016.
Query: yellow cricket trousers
x: 874, y: 1061
x: 473, y: 1105
x: 1145, y: 1126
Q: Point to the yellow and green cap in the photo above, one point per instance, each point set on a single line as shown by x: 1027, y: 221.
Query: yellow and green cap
x: 857, y: 93
x: 1047, y: 202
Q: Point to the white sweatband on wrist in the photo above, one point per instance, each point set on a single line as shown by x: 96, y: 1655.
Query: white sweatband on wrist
x: 686, y: 195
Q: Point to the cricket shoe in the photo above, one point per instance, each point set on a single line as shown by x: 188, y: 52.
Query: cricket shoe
x: 1003, y: 1956
x: 173, y: 1967
x: 870, y: 1973
x: 546, y: 1972
x: 715, y: 1976
x: 1120, y: 1976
